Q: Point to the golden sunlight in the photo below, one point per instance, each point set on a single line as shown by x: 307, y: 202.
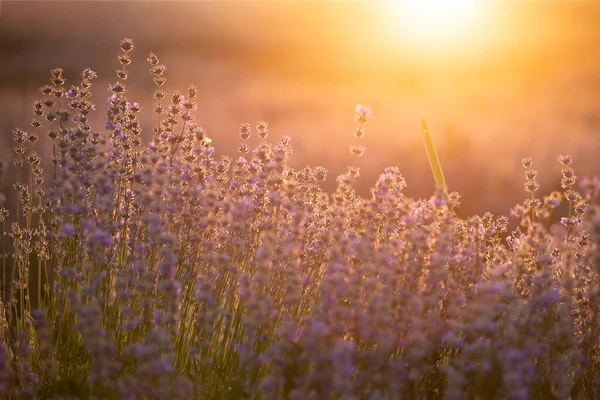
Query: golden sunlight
x: 435, y: 21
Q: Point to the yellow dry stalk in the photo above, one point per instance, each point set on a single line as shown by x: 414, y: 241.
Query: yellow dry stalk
x: 434, y: 161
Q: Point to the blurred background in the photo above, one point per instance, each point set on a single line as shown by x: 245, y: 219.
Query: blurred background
x: 496, y: 83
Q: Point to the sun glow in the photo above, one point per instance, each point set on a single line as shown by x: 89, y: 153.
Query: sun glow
x: 435, y: 21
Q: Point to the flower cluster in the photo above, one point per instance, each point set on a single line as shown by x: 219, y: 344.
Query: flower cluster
x: 161, y: 271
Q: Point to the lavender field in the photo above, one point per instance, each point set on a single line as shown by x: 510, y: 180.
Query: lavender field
x: 161, y: 243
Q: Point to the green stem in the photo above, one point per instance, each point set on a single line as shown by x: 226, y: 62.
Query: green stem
x: 434, y: 162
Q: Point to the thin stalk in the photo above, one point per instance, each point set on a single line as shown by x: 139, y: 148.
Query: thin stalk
x: 434, y: 162
x: 176, y: 146
x: 4, y: 266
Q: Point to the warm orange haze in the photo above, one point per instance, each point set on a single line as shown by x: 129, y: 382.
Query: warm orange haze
x: 496, y: 80
x: 299, y: 200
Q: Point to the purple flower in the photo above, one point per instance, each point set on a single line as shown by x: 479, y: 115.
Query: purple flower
x: 363, y: 114
x: 68, y: 229
x: 72, y: 93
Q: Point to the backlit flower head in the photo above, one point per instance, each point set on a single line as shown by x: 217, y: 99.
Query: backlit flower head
x: 363, y: 114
